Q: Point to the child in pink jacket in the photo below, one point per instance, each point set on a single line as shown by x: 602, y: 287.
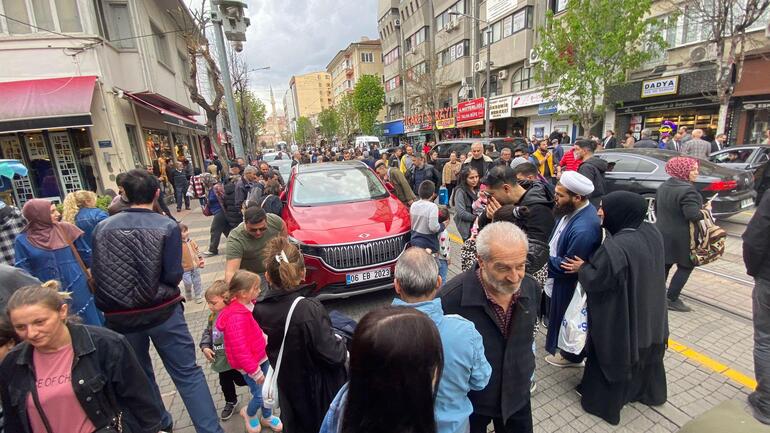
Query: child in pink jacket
x: 245, y: 348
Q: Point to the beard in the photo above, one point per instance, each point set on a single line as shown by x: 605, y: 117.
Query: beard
x: 560, y: 211
x: 500, y: 286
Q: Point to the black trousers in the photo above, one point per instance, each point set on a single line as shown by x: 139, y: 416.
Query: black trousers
x: 519, y: 422
x: 219, y: 226
x: 227, y: 381
x: 678, y: 281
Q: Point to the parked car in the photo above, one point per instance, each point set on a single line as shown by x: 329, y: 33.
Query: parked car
x: 348, y: 225
x: 643, y: 171
x: 746, y: 157
x: 283, y: 166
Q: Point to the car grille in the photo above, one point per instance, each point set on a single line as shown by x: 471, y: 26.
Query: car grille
x: 364, y: 254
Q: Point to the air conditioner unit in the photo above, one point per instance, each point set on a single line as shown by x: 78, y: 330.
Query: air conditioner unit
x: 480, y: 66
x: 502, y: 75
x: 413, y: 49
x: 534, y: 57
x: 451, y: 25
x: 703, y: 53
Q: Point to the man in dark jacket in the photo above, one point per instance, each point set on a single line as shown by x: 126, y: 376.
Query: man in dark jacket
x: 505, y: 157
x: 592, y: 168
x: 646, y: 142
x: 137, y: 267
x: 422, y: 171
x: 502, y: 304
x: 179, y: 179
x: 610, y: 142
x: 756, y: 256
x: 248, y: 182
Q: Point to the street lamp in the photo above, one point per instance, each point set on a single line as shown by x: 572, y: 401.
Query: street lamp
x: 487, y: 126
x: 265, y: 68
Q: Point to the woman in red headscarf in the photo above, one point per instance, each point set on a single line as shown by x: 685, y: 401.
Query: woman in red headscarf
x: 677, y: 204
x: 43, y: 250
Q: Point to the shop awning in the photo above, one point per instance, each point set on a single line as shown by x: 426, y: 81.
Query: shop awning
x: 172, y: 113
x: 46, y: 104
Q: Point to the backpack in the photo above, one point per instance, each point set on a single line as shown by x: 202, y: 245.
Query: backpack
x: 707, y: 240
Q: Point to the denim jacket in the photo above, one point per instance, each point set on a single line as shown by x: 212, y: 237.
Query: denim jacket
x: 465, y: 366
x: 333, y: 420
x: 87, y: 219
x: 104, y: 370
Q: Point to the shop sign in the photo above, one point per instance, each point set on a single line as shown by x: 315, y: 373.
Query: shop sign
x: 756, y: 105
x: 395, y: 127
x: 528, y: 99
x: 547, y: 108
x: 445, y: 123
x: 687, y: 103
x: 496, y: 9
x: 105, y: 143
x: 470, y: 113
x: 418, y: 122
x: 660, y: 87
x: 500, y: 108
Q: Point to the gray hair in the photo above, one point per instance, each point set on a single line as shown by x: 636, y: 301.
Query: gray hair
x: 250, y: 169
x: 646, y: 132
x: 499, y: 233
x: 417, y: 272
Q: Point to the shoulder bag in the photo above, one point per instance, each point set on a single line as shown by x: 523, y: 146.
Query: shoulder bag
x: 707, y: 240
x: 86, y: 272
x: 270, y: 387
x: 207, y: 210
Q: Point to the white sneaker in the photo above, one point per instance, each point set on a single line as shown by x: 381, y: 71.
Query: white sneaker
x: 561, y: 362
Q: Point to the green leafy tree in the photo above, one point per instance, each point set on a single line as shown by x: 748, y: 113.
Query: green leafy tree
x: 348, y: 114
x: 368, y: 98
x: 305, y: 131
x: 590, y: 47
x: 329, y: 123
x: 251, y: 115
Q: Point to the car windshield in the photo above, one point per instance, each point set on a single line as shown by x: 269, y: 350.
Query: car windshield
x: 337, y: 186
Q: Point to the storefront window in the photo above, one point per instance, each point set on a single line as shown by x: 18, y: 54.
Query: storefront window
x: 759, y: 123
x: 41, y: 168
x: 159, y: 150
x: 84, y: 153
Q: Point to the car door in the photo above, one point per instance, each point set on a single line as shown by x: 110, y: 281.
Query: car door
x: 627, y: 172
x: 742, y: 158
x: 760, y: 156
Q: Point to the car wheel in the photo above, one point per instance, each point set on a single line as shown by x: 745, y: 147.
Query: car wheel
x: 651, y: 217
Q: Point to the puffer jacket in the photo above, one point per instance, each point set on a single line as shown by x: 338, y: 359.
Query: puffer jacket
x: 232, y: 210
x: 244, y: 341
x: 137, y: 267
x: 541, y: 220
x: 594, y: 169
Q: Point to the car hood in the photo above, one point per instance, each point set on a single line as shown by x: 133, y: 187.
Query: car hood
x: 347, y: 222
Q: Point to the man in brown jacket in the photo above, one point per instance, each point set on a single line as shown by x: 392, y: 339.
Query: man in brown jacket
x: 401, y: 187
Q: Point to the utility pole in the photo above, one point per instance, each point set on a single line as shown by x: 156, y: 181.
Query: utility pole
x: 236, y: 23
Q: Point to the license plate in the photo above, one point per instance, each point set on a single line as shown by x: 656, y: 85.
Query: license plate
x: 362, y: 277
x: 746, y: 203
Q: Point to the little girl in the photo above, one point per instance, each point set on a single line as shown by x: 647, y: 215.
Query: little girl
x: 245, y: 347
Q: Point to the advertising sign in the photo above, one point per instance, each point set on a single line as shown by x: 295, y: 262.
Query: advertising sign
x: 660, y: 87
x: 500, y: 108
x: 497, y: 9
x: 528, y: 99
x: 469, y: 113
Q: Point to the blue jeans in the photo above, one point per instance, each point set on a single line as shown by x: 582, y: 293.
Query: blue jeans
x: 176, y: 348
x: 192, y: 280
x: 443, y: 269
x: 256, y: 394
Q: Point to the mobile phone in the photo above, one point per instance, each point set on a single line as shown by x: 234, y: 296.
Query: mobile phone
x: 712, y: 198
x: 486, y: 193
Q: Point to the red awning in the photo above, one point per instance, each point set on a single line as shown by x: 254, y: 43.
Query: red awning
x: 46, y: 104
x: 171, y: 116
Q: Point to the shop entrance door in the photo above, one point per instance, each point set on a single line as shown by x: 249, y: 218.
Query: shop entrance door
x: 21, y: 187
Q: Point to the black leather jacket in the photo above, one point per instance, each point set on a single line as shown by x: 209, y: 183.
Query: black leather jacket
x: 233, y: 212
x: 137, y: 267
x: 104, y: 370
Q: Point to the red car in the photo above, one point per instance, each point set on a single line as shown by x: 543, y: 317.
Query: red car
x: 348, y: 225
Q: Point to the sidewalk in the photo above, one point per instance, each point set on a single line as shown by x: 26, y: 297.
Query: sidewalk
x: 711, y: 354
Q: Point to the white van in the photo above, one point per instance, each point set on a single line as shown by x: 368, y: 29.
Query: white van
x: 365, y: 142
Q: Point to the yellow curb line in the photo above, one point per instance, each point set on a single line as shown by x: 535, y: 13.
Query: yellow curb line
x: 685, y: 351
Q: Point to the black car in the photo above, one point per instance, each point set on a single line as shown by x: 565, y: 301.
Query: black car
x: 643, y: 170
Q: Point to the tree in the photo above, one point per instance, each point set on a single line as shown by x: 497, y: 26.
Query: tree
x: 368, y: 99
x: 251, y: 115
x: 590, y: 47
x: 725, y: 24
x: 425, y: 86
x: 329, y: 123
x: 346, y: 109
x: 305, y: 131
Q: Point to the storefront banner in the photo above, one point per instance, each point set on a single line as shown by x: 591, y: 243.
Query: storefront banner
x: 497, y: 9
x: 500, y: 108
x: 661, y: 106
x: 756, y: 105
x: 660, y: 87
x: 395, y: 127
x: 445, y: 123
x: 418, y: 122
x: 470, y: 113
x: 528, y: 99
x: 547, y: 108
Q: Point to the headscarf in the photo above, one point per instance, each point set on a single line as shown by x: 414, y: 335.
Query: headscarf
x: 623, y: 210
x: 43, y: 232
x: 680, y: 167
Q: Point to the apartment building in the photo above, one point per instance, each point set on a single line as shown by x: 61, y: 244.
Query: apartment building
x: 85, y: 98
x: 360, y: 58
x: 310, y: 94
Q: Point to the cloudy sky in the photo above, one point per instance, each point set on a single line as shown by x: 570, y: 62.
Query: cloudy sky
x: 298, y: 36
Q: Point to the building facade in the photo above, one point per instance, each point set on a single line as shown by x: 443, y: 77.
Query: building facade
x: 359, y: 58
x: 93, y: 99
x: 310, y: 94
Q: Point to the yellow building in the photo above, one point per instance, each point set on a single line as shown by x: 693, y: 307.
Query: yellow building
x: 311, y: 93
x: 359, y: 58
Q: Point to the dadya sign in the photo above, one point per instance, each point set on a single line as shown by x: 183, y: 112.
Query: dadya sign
x: 660, y: 87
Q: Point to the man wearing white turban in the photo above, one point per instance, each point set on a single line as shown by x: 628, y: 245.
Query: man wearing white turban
x: 577, y: 234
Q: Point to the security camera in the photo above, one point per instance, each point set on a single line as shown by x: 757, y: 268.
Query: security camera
x: 238, y: 46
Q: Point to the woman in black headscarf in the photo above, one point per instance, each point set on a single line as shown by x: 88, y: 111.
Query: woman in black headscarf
x: 627, y: 319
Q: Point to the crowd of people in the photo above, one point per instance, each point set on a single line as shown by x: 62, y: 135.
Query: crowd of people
x: 87, y: 291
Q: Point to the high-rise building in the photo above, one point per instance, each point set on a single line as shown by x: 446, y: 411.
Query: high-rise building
x: 359, y: 58
x: 310, y: 93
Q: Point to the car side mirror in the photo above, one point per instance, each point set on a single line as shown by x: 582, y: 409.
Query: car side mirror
x: 390, y: 187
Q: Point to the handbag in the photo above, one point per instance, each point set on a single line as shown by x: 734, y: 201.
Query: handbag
x: 707, y: 240
x: 207, y: 211
x: 270, y: 386
x: 86, y: 272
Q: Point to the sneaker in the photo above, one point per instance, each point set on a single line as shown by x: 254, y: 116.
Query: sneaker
x: 228, y: 410
x: 208, y: 253
x: 273, y: 423
x: 755, y: 411
x: 532, y: 387
x: 678, y: 305
x: 559, y: 361
x: 252, y: 423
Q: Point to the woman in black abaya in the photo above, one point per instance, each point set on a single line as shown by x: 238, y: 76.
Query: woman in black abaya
x: 627, y: 319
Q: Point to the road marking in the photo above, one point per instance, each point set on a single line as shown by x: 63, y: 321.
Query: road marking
x: 711, y: 364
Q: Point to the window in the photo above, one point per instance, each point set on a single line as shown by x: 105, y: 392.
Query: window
x: 43, y: 15
x: 507, y: 26
x: 391, y: 56
x: 495, y: 86
x: 629, y: 164
x: 161, y: 45
x: 393, y: 83
x: 444, y: 18
x: 558, y: 6
x: 18, y: 11
x: 115, y: 23
x: 28, y: 16
x: 456, y: 51
x: 185, y: 65
x: 521, y: 80
x: 69, y: 18
x: 367, y: 57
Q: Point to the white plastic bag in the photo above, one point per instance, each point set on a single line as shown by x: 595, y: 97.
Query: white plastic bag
x: 574, y: 326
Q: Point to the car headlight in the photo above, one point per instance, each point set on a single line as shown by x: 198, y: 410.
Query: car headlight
x: 308, y: 250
